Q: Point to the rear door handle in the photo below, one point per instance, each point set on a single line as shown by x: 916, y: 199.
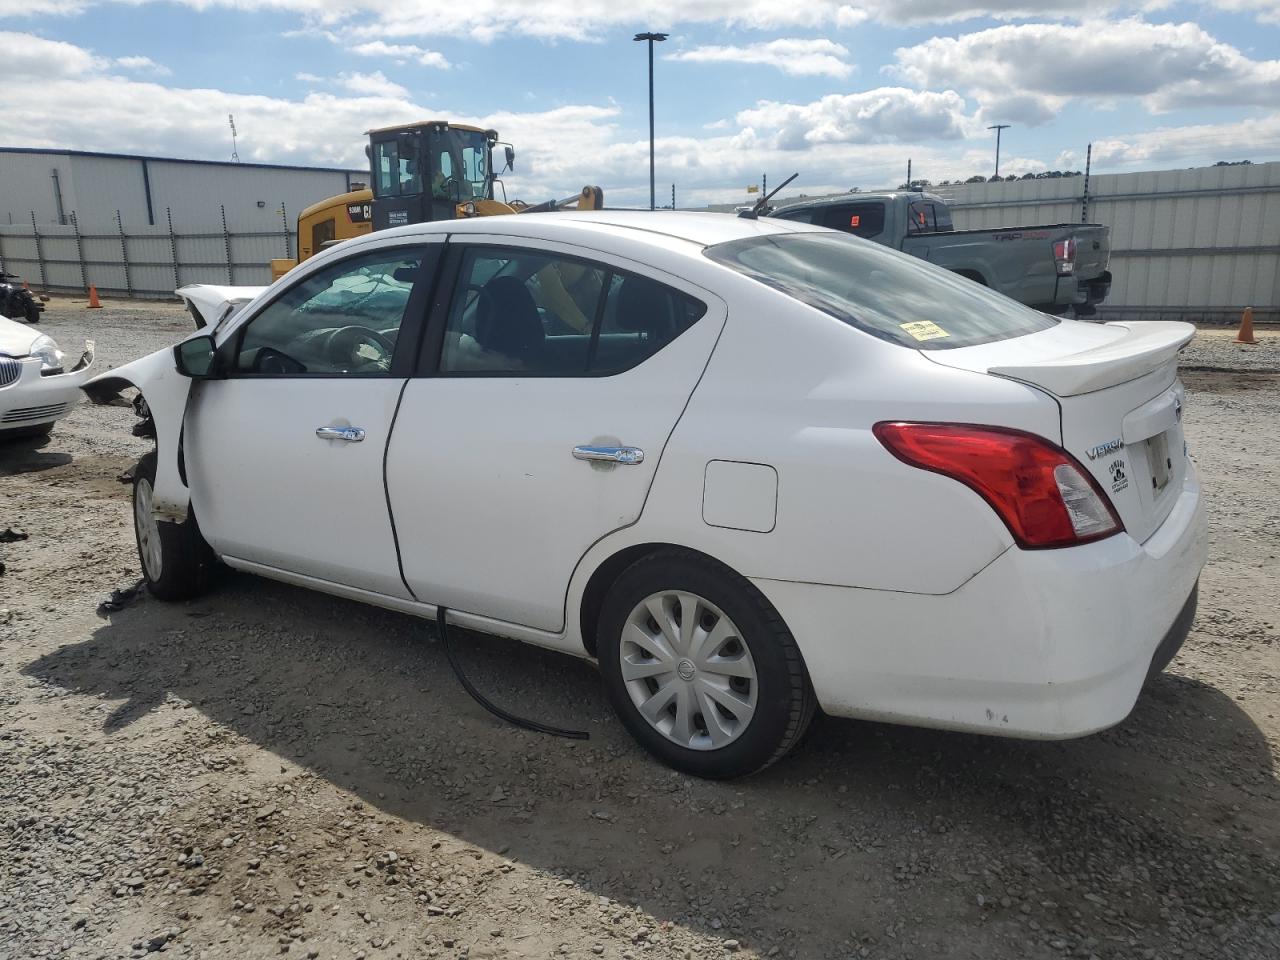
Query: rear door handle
x: 348, y: 434
x: 630, y: 455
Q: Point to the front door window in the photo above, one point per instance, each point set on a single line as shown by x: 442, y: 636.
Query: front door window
x: 344, y: 319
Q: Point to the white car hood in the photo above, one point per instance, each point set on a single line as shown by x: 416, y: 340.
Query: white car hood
x: 217, y: 302
x: 16, y: 338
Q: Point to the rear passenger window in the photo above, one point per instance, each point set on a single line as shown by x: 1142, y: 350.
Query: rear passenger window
x: 523, y: 312
x: 861, y: 219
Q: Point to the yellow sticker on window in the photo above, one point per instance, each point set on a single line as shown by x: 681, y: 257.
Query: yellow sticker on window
x: 924, y: 330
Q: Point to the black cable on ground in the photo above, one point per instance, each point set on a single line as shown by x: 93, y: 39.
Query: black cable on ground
x: 478, y: 697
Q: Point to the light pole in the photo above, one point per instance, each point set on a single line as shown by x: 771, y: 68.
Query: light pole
x: 651, y: 37
x: 997, y: 128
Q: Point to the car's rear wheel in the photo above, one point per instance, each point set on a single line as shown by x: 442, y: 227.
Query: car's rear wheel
x: 176, y: 561
x: 700, y: 667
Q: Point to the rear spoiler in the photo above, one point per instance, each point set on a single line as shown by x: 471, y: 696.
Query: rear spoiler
x: 1146, y: 346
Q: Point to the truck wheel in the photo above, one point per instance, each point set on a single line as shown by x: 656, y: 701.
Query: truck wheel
x: 176, y: 561
x: 33, y: 312
x: 700, y: 667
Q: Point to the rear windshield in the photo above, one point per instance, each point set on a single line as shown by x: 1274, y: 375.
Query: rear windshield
x: 882, y: 292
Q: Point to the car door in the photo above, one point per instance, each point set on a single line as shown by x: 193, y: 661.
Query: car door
x: 552, y: 380
x: 284, y: 455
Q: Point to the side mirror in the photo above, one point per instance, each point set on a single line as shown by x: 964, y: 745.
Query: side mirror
x: 511, y: 156
x: 195, y: 358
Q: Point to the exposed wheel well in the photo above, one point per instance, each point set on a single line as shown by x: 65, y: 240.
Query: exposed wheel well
x: 608, y: 572
x: 973, y: 275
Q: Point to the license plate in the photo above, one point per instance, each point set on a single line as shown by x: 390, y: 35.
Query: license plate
x: 1161, y: 463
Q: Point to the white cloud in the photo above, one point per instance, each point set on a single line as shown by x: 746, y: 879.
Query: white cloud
x: 884, y: 115
x: 797, y: 57
x: 308, y: 78
x: 23, y: 54
x: 1027, y: 72
x: 1255, y: 138
x: 374, y: 84
x: 401, y: 53
x: 836, y: 143
x: 145, y: 64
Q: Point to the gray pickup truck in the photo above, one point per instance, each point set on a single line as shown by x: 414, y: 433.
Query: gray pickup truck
x: 1052, y: 268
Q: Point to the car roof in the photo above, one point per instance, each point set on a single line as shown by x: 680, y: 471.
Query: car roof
x: 702, y: 229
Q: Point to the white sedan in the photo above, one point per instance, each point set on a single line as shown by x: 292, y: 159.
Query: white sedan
x: 751, y: 467
x: 39, y: 385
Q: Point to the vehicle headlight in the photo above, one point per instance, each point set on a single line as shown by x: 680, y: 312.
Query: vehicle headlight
x: 46, y: 348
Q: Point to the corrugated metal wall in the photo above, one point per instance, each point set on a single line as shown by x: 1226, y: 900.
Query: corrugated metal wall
x: 144, y: 225
x: 1198, y: 244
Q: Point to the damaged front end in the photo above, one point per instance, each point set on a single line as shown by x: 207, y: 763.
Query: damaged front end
x: 161, y: 405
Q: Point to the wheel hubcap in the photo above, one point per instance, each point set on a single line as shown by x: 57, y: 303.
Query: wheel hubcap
x: 148, y: 530
x: 688, y: 671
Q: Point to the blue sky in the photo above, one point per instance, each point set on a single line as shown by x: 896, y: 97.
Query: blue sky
x: 843, y: 93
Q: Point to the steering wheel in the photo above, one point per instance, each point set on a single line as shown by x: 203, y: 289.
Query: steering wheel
x: 345, y: 341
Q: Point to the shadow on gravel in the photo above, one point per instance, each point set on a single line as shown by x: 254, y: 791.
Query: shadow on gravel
x: 1139, y: 832
x: 27, y: 455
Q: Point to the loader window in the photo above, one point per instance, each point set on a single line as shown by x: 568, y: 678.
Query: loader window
x: 386, y: 162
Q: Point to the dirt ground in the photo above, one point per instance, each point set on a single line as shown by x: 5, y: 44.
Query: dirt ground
x: 268, y: 771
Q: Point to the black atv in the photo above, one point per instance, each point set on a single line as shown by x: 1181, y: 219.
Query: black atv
x: 16, y: 301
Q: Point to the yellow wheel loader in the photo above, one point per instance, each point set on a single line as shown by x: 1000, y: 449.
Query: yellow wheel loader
x: 419, y: 172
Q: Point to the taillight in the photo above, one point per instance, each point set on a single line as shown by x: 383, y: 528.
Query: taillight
x: 1042, y: 493
x: 1064, y: 255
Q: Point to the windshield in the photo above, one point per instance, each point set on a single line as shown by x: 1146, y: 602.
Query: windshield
x: 882, y: 292
x: 462, y: 170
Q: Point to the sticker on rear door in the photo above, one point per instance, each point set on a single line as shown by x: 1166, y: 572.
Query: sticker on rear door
x: 924, y: 330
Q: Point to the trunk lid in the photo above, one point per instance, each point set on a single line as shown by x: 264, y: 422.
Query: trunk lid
x: 1120, y: 400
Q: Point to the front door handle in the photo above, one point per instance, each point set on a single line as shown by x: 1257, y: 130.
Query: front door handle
x: 349, y: 434
x: 631, y: 455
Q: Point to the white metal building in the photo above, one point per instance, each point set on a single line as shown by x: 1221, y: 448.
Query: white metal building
x: 57, y: 184
x: 142, y: 226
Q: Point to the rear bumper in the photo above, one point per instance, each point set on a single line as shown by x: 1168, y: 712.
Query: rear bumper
x: 33, y: 400
x: 1046, y: 644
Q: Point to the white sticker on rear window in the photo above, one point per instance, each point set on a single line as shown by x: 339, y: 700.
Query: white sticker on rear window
x: 924, y: 330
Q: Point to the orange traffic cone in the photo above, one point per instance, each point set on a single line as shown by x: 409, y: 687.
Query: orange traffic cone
x: 1246, y: 327
x: 93, y: 299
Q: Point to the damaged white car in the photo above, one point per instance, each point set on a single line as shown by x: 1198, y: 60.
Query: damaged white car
x: 752, y: 467
x: 39, y: 384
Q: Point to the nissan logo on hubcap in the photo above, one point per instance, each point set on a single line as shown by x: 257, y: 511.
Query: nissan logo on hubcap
x: 685, y: 669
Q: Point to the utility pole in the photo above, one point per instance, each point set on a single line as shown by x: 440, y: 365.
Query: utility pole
x: 651, y: 38
x: 235, y: 154
x: 673, y: 196
x: 998, y: 127
x: 1084, y: 204
x: 908, y: 173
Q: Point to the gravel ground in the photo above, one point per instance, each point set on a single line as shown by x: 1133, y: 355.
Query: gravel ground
x: 268, y: 771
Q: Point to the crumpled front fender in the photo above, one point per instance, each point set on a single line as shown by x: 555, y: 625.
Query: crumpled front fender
x: 165, y: 390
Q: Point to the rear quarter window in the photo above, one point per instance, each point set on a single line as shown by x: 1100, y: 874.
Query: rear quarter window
x: 890, y: 295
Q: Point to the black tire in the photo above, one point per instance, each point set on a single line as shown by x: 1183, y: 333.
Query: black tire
x: 186, y: 562
x: 33, y: 313
x: 785, y: 700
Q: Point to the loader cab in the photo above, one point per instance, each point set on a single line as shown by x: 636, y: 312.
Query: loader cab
x: 429, y: 171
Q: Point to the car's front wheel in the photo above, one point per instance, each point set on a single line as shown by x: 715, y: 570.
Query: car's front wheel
x: 700, y: 667
x: 176, y: 560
